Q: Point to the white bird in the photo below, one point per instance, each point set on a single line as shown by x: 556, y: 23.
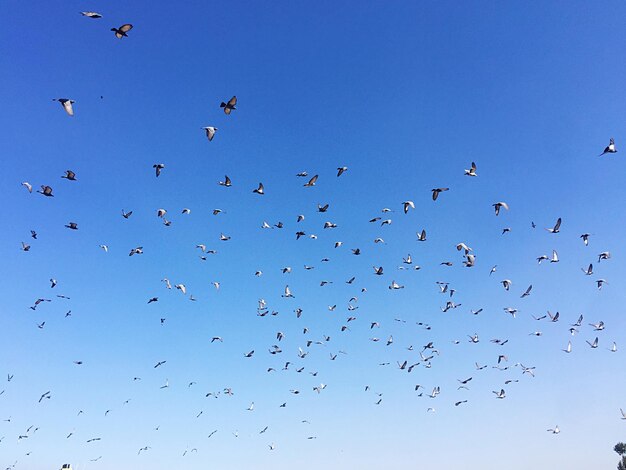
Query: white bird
x: 555, y: 257
x: 394, y: 285
x: 181, y: 287
x: 105, y: 248
x: 556, y: 430
x: 28, y: 186
x: 506, y: 284
x: 569, y: 347
x: 287, y: 293
x: 471, y: 171
x: 91, y: 14
x: 593, y: 345
x: 406, y: 205
x: 210, y: 132
x: 67, y: 105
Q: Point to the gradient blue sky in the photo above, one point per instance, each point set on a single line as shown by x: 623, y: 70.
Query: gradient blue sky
x: 405, y: 94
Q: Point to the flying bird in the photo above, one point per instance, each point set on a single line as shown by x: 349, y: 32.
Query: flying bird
x: 157, y: 168
x: 91, y: 14
x: 471, y: 171
x: 230, y: 105
x: 436, y: 192
x: 609, y: 148
x: 556, y: 227
x: 67, y: 105
x: 210, y: 132
x: 122, y: 30
x: 498, y: 205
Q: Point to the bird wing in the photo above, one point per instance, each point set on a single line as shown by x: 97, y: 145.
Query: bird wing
x: 558, y: 224
x: 125, y: 28
x: 232, y: 102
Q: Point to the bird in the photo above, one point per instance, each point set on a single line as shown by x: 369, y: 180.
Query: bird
x: 157, y: 168
x: 609, y: 148
x: 501, y: 394
x: 436, y: 192
x: 556, y: 227
x: 593, y: 345
x: 312, y: 181
x: 527, y: 292
x: 406, y: 205
x: 556, y: 430
x: 555, y: 257
x: 122, y: 30
x: 69, y: 175
x: 230, y: 105
x: 126, y: 215
x: 136, y: 251
x: 72, y: 226
x: 28, y: 186
x: 421, y: 236
x: 341, y: 170
x: 91, y: 14
x: 568, y: 349
x: 67, y: 105
x: 471, y: 171
x: 604, y: 256
x: 46, y: 191
x: 506, y: 283
x: 498, y: 205
x: 585, y: 237
x: 226, y: 182
x: 259, y: 190
x: 210, y: 132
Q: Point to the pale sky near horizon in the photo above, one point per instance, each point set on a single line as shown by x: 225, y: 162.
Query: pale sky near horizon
x: 405, y: 95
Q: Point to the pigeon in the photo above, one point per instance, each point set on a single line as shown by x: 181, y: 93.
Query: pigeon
x: 226, y: 182
x: 471, y: 171
x: 312, y: 181
x: 67, y: 105
x: 122, y: 30
x: 230, y: 105
x: 91, y: 14
x: 556, y: 227
x: 498, y: 205
x: 341, y: 170
x: 436, y: 192
x: 609, y: 148
x: 157, y: 168
x: 69, y: 175
x: 260, y: 190
x: 28, y: 186
x: 210, y: 132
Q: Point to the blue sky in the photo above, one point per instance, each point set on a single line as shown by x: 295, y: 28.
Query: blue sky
x: 406, y: 95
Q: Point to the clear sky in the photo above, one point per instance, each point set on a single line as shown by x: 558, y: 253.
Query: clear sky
x: 404, y: 94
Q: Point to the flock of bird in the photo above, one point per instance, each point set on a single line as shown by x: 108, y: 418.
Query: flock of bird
x: 424, y: 356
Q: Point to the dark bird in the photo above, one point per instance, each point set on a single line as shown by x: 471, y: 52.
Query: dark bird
x: 122, y: 30
x: 230, y: 105
x: 311, y: 181
x: 46, y: 191
x: 69, y: 175
x: 436, y: 192
x: 157, y: 168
